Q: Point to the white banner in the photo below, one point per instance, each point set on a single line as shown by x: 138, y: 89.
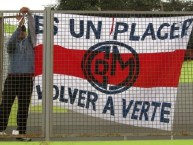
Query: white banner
x: 119, y: 69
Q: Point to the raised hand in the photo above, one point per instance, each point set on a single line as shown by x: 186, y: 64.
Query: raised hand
x: 22, y: 21
x: 19, y: 16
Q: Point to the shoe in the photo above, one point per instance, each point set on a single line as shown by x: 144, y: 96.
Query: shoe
x: 23, y: 139
x: 3, y: 133
x: 16, y: 132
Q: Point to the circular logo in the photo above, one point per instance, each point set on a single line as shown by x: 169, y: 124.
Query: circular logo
x: 111, y: 67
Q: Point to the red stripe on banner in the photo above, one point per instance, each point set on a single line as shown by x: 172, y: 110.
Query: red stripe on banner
x: 156, y: 69
x: 112, y: 26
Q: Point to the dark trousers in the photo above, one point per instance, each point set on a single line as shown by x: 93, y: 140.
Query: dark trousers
x: 19, y: 86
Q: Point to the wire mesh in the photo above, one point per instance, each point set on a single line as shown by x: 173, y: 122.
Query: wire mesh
x: 92, y: 97
x: 18, y: 81
x: 114, y: 74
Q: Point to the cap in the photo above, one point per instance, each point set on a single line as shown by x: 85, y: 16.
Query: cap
x: 23, y: 28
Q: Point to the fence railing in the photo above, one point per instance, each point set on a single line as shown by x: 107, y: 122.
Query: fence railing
x: 101, y: 74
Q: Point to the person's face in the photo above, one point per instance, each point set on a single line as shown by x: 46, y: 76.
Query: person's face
x: 22, y: 35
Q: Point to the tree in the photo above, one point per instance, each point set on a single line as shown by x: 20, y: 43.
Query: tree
x: 125, y: 5
x: 177, y: 5
x: 77, y: 5
x: 105, y: 5
x: 143, y: 5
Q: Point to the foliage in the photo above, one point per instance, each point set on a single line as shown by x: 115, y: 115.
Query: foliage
x: 77, y: 5
x: 9, y: 28
x: 125, y: 5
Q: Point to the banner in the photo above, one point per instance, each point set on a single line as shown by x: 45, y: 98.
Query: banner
x: 124, y: 70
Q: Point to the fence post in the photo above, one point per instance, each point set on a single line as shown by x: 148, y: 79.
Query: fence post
x: 1, y: 54
x: 47, y: 87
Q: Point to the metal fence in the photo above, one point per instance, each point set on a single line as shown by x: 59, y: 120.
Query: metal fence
x: 69, y: 101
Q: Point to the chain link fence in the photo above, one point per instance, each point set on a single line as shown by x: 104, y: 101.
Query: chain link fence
x: 106, y: 74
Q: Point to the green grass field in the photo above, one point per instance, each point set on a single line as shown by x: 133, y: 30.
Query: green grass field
x: 187, y: 72
x: 9, y: 28
x: 33, y: 109
x: 147, y: 142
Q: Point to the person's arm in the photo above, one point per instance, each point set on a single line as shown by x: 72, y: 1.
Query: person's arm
x: 12, y: 41
x: 11, y: 46
x: 31, y: 31
x: 31, y: 25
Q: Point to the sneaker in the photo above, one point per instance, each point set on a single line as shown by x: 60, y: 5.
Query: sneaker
x: 3, y: 133
x: 16, y: 132
x: 23, y: 139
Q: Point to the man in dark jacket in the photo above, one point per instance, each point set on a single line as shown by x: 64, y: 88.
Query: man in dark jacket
x: 19, y: 82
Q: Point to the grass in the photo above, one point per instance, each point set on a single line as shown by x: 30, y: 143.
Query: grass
x: 33, y: 109
x: 142, y: 142
x: 187, y: 72
x: 9, y: 28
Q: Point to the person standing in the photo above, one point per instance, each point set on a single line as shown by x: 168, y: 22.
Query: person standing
x: 19, y: 81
